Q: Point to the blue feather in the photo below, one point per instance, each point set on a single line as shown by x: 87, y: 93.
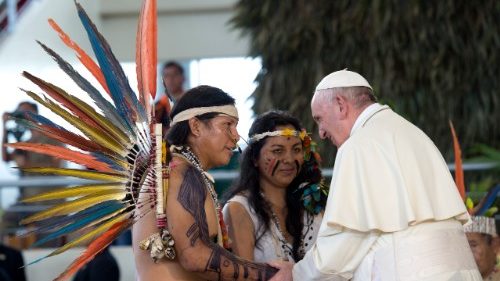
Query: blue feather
x: 89, y: 218
x: 42, y: 120
x: 108, y: 109
x: 105, y: 159
x: 124, y: 97
x: 488, y: 200
x: 57, y: 222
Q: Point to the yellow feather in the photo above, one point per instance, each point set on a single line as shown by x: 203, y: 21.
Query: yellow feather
x: 93, y: 133
x: 83, y: 174
x: 105, y: 123
x: 76, y: 191
x: 90, y: 235
x: 76, y: 205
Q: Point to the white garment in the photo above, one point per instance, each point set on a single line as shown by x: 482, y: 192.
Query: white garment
x: 270, y: 246
x: 433, y: 251
x: 393, y: 212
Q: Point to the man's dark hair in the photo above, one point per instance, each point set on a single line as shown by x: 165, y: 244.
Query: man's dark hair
x: 173, y: 64
x: 201, y: 96
x: 32, y: 104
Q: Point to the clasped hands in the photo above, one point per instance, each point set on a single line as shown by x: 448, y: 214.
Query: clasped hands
x: 285, y: 270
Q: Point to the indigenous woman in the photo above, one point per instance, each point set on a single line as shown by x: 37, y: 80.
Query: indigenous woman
x: 274, y: 210
x: 191, y: 245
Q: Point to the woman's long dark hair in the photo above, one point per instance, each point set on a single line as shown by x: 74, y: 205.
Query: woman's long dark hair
x: 248, y: 182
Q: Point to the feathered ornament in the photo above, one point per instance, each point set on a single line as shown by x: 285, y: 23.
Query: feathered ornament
x: 116, y: 144
x: 313, y: 189
x: 484, y: 207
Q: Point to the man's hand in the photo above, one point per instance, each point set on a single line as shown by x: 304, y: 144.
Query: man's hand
x: 285, y: 273
x: 5, y: 117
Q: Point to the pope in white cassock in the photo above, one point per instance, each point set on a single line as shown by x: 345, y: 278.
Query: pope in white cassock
x: 394, y: 212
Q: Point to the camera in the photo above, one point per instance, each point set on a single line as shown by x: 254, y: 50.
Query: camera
x: 15, y: 129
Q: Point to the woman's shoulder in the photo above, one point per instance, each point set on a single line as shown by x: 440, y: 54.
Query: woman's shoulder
x: 241, y: 198
x: 241, y: 201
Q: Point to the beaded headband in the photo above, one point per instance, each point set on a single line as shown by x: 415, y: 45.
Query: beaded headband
x: 193, y: 112
x: 482, y: 224
x: 283, y: 133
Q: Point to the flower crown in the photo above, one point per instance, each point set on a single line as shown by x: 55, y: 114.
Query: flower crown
x: 313, y: 191
x: 283, y: 133
x: 308, y: 144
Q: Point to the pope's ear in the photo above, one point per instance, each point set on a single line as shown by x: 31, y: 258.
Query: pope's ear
x: 343, y: 105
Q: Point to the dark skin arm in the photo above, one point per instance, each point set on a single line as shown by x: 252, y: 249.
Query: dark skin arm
x: 188, y: 204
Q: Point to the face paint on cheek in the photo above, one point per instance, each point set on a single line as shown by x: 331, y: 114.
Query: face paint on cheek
x: 275, y: 167
x: 298, y: 167
x: 270, y: 165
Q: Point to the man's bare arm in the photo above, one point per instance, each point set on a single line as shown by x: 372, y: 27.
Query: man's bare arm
x: 190, y: 230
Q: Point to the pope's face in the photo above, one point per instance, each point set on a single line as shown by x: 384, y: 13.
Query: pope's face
x: 327, y: 116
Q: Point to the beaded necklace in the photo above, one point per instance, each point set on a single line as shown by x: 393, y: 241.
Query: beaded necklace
x: 285, y: 248
x: 186, y: 153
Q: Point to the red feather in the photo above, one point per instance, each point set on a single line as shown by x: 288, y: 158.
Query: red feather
x: 97, y: 246
x: 85, y: 59
x: 71, y: 139
x: 459, y: 171
x: 146, y: 53
x: 58, y: 94
x: 65, y: 154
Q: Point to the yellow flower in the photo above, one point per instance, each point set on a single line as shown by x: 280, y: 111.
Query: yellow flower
x: 302, y: 134
x: 288, y: 132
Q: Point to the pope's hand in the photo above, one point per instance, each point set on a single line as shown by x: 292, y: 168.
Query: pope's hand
x: 285, y: 270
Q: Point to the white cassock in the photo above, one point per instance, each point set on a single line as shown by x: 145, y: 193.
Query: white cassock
x: 393, y: 212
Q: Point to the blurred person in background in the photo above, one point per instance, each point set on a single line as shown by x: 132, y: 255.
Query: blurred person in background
x: 103, y: 267
x: 11, y: 261
x: 14, y: 131
x: 172, y: 75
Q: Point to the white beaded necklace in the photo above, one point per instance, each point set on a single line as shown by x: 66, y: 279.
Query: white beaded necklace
x: 285, y: 248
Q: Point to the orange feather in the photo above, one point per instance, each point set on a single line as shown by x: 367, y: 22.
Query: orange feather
x: 97, y: 246
x: 65, y: 154
x: 72, y: 139
x: 146, y: 53
x: 459, y: 171
x: 85, y: 59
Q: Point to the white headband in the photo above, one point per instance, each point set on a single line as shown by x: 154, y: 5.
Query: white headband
x: 197, y: 111
x: 482, y: 224
x: 283, y: 133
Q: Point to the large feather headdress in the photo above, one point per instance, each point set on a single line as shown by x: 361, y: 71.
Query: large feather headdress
x: 116, y: 141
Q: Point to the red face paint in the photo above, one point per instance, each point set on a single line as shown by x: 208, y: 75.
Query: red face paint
x: 271, y: 163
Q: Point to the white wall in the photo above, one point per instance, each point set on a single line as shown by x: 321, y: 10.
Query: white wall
x: 186, y: 29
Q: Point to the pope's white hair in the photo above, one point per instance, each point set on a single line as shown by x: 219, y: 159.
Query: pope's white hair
x: 358, y: 96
